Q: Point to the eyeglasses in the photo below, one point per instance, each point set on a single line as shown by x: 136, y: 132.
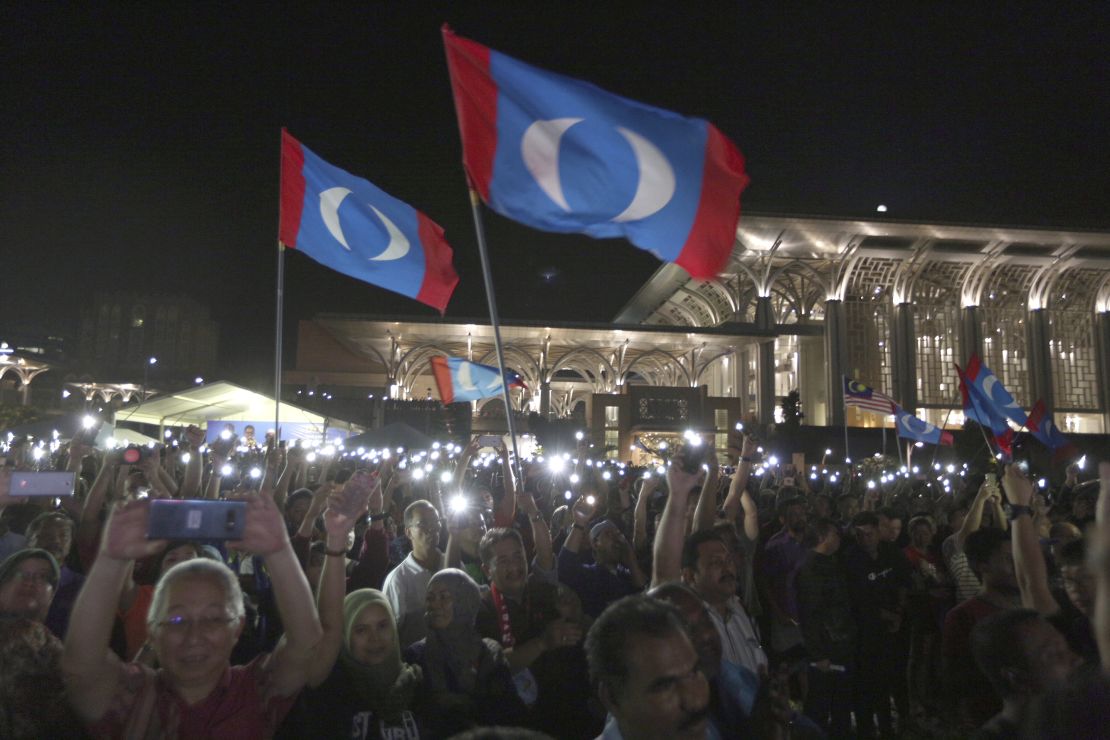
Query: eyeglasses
x: 30, y: 577
x: 179, y: 626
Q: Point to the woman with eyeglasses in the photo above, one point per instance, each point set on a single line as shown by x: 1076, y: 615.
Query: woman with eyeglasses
x: 195, y: 618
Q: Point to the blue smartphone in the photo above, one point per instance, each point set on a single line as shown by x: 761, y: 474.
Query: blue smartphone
x: 189, y: 519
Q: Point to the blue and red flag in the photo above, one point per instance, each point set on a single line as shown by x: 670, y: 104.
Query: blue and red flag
x: 346, y: 223
x: 919, y: 430
x: 983, y: 412
x: 991, y: 390
x: 559, y: 154
x: 1041, y: 425
x: 462, y: 380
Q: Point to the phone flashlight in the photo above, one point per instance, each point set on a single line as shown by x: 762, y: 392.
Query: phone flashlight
x: 591, y: 500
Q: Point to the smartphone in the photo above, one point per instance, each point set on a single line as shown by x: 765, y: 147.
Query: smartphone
x: 53, y: 484
x: 187, y: 519
x: 489, y: 440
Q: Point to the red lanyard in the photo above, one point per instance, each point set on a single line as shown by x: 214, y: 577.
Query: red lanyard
x: 507, y: 639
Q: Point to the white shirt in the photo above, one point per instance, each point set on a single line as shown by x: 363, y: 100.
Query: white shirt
x: 739, y: 640
x: 406, y: 587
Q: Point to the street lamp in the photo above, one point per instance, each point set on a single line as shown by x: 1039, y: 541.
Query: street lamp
x: 146, y: 369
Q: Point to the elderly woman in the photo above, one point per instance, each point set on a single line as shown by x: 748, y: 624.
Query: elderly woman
x: 467, y: 681
x: 195, y: 618
x: 359, y: 688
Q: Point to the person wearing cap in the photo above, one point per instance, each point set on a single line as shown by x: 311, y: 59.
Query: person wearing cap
x: 28, y: 579
x: 614, y: 573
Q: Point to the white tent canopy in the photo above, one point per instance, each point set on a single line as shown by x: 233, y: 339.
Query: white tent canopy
x: 224, y: 401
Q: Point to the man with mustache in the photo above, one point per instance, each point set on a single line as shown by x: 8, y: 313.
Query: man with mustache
x: 647, y: 672
x: 709, y: 569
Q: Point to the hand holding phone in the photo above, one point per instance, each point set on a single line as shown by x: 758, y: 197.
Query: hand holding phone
x: 187, y: 519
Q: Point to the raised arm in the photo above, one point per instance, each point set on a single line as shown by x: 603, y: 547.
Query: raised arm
x: 1029, y: 565
x: 190, y: 483
x: 92, y: 672
x: 506, y: 507
x: 667, y: 560
x: 974, y: 518
x: 344, y: 509
x: 640, y: 514
x: 738, y: 498
x: 705, y: 515
x: 88, y: 528
x: 264, y: 534
x: 541, y: 535
x: 1100, y: 565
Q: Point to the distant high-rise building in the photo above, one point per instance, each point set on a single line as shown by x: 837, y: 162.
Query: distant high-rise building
x: 123, y: 330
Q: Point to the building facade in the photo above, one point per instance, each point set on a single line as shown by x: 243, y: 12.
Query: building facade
x: 802, y: 303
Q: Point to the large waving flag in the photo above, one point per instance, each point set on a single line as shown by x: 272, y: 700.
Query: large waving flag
x: 919, y: 430
x: 984, y: 412
x: 1042, y: 426
x: 462, y: 380
x: 865, y: 397
x: 353, y: 227
x: 559, y: 154
x: 991, y: 390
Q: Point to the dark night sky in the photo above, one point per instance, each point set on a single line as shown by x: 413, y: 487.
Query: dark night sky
x: 140, y: 143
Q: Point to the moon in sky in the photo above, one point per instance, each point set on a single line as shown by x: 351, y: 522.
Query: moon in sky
x: 398, y: 245
x: 655, y: 186
x: 329, y: 212
x: 540, y: 149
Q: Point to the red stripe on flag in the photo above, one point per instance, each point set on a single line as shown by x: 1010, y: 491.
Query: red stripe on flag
x: 292, y: 190
x: 440, y: 277
x: 442, y: 375
x: 475, y: 95
x: 713, y: 234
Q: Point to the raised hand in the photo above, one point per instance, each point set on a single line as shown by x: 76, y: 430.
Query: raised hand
x: 347, y: 505
x: 678, y: 480
x: 264, y: 531
x: 125, y: 531
x: 5, y: 489
x: 1019, y: 489
x: 583, y: 511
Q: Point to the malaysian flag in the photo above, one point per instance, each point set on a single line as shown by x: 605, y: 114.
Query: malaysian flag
x: 867, y: 398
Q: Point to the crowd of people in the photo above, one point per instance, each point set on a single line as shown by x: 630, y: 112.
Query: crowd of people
x: 458, y: 592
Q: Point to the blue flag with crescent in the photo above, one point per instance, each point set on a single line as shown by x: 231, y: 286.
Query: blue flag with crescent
x: 462, y: 380
x: 355, y: 228
x: 989, y: 389
x: 559, y: 154
x: 919, y: 430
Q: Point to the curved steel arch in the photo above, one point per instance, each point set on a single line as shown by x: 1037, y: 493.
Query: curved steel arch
x: 706, y: 364
x: 675, y: 362
x: 531, y: 368
x: 564, y: 361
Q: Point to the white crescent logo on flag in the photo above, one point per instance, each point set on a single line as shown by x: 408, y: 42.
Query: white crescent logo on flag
x: 655, y: 181
x: 463, y: 376
x: 988, y: 388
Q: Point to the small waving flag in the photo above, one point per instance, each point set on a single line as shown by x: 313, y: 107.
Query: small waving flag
x: 867, y: 398
x: 462, y: 380
x: 559, y: 154
x: 1041, y: 425
x: 984, y: 412
x: 355, y: 228
x: 919, y: 430
x: 991, y: 390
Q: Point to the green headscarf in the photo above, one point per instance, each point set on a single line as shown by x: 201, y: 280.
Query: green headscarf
x: 389, y: 687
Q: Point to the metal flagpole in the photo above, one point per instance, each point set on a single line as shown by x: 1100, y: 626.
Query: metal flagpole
x: 844, y: 401
x: 487, y: 276
x: 278, y: 320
